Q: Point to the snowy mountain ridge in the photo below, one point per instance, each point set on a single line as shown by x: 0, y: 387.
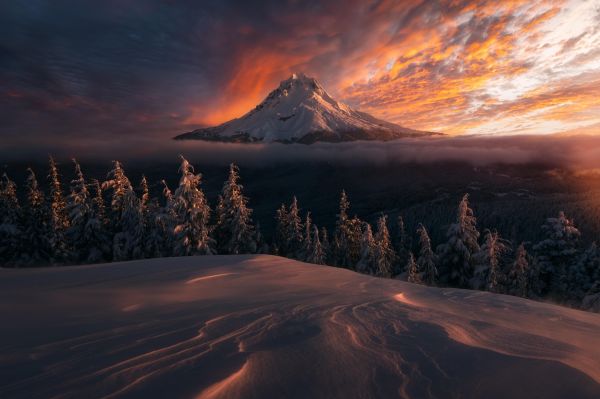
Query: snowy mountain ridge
x: 300, y: 110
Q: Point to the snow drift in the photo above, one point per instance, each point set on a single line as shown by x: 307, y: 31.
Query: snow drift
x: 263, y: 326
x: 300, y: 110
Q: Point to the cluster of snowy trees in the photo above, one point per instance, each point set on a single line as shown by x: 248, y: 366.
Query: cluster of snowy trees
x: 557, y: 268
x: 82, y: 227
x: 115, y: 221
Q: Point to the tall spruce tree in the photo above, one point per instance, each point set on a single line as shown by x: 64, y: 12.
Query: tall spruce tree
x: 79, y: 210
x: 315, y: 254
x: 36, y: 242
x: 234, y: 231
x: 281, y: 231
x: 384, y: 252
x: 367, y: 263
x: 347, y: 237
x: 556, y: 253
x: 59, y: 221
x: 126, y: 216
x: 403, y: 247
x: 427, y: 259
x: 582, y: 275
x: 10, y: 223
x: 307, y: 236
x: 413, y: 272
x: 97, y: 228
x: 488, y: 272
x: 294, y: 244
x: 456, y: 255
x: 192, y: 215
x: 518, y: 275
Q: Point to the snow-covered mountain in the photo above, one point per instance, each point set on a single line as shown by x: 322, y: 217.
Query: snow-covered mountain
x: 300, y: 110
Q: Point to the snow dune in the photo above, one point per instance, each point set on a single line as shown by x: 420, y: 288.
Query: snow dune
x: 264, y: 326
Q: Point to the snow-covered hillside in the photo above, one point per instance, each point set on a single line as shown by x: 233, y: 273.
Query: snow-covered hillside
x: 264, y: 326
x: 300, y: 110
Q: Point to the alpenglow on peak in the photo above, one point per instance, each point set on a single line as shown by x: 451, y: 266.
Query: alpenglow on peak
x: 300, y: 110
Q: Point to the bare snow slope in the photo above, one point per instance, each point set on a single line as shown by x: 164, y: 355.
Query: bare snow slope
x: 300, y: 110
x: 263, y: 326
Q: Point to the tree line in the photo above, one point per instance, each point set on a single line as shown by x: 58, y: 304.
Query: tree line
x: 115, y: 221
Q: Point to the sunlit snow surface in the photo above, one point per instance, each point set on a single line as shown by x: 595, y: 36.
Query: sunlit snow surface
x: 263, y: 326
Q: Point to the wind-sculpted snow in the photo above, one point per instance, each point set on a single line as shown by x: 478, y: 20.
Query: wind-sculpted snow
x: 263, y: 326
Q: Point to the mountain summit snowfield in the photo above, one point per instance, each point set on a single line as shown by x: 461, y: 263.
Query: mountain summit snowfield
x: 261, y: 326
x: 300, y: 110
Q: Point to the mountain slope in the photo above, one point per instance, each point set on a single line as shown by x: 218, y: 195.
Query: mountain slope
x: 300, y: 110
x: 264, y: 326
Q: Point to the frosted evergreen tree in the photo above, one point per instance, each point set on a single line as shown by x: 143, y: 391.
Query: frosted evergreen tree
x: 518, y: 275
x: 316, y: 254
x: 59, y: 221
x: 126, y: 216
x: 325, y: 245
x: 160, y: 226
x: 307, y: 237
x: 79, y: 211
x: 556, y: 254
x: 403, y: 247
x: 281, y: 231
x: 427, y: 260
x: 97, y: 228
x: 488, y: 273
x: 10, y: 227
x: 347, y: 237
x: 384, y: 252
x: 456, y: 263
x: 36, y: 239
x: 294, y: 244
x: 234, y: 231
x: 414, y: 275
x: 582, y: 274
x: 192, y: 215
x: 368, y: 252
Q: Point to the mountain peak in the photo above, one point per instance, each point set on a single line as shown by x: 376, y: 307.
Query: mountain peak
x: 300, y: 110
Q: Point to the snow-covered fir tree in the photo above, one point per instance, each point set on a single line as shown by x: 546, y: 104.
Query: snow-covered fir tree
x: 347, y: 237
x: 517, y: 281
x: 315, y: 254
x: 556, y: 254
x: 402, y: 247
x: 281, y: 230
x: 582, y: 275
x: 294, y: 233
x: 97, y: 228
x: 160, y: 225
x: 325, y: 245
x: 36, y: 244
x: 59, y: 221
x: 412, y: 269
x: 79, y: 211
x: 10, y: 223
x: 234, y: 231
x: 368, y: 251
x: 427, y: 259
x: 488, y: 274
x: 126, y: 216
x: 307, y: 236
x: 456, y: 263
x: 192, y: 215
x: 385, y: 256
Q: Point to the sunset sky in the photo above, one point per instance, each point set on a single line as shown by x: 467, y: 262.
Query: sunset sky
x: 157, y: 68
